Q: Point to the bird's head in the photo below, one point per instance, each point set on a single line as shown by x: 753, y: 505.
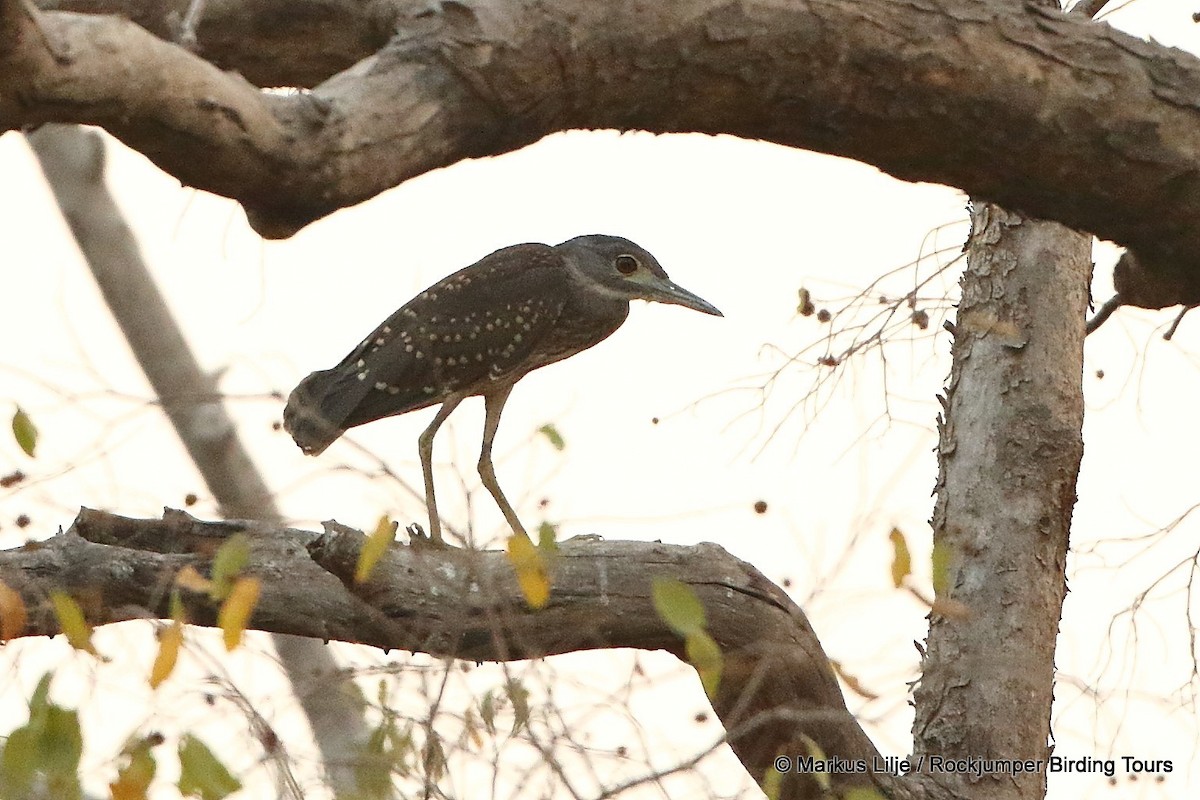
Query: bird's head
x: 617, y: 267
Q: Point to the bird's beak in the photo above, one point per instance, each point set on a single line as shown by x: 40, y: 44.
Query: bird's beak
x: 666, y: 291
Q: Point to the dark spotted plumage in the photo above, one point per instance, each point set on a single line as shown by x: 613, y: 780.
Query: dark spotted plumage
x: 477, y: 332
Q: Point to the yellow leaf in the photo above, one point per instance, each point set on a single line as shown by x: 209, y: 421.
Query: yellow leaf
x: 170, y: 640
x: 817, y: 754
x: 72, y: 623
x: 772, y: 783
x: 24, y: 431
x: 530, y: 567
x: 374, y: 548
x: 235, y: 612
x: 12, y: 613
x: 901, y: 558
x: 705, y: 655
x: 189, y: 578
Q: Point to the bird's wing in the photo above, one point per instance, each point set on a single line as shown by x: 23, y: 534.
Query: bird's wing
x: 469, y: 330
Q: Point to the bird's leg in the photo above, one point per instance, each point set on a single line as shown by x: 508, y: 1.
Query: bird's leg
x: 425, y: 448
x: 493, y: 405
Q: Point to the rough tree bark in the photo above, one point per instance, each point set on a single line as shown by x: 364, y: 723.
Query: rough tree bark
x: 777, y: 685
x: 1053, y: 116
x: 1009, y: 454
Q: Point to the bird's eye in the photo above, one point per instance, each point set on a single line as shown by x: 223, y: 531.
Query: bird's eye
x: 626, y: 265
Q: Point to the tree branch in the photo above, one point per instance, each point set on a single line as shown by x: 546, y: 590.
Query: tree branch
x: 73, y: 162
x: 1053, y: 116
x: 777, y: 685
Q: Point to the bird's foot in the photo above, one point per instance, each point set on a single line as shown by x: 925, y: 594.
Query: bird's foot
x: 586, y: 537
x: 419, y: 539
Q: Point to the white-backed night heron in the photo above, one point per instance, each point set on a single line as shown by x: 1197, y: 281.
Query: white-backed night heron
x: 478, y: 332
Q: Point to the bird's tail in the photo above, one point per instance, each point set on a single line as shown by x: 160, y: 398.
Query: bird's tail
x: 305, y: 416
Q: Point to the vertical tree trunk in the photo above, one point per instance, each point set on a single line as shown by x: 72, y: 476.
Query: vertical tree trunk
x: 1009, y: 452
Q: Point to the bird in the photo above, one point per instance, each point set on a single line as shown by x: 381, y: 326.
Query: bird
x: 478, y: 332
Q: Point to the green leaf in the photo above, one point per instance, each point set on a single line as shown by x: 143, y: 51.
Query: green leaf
x: 548, y: 540
x: 201, y: 774
x: 487, y: 712
x: 704, y: 654
x: 942, y: 553
x: 62, y: 742
x: 19, y: 760
x: 25, y: 432
x: 550, y: 432
x: 373, y: 770
x: 231, y: 558
x: 50, y: 744
x: 518, y: 695
x: 678, y: 606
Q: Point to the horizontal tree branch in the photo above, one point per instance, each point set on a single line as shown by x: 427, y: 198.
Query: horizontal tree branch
x: 1053, y: 116
x: 777, y: 687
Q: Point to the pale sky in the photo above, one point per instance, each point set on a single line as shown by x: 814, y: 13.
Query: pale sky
x: 742, y: 224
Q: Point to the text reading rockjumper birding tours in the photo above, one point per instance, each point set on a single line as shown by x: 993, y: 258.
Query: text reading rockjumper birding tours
x: 1107, y: 767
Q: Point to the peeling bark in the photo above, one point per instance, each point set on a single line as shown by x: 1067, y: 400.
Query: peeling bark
x: 1053, y: 116
x: 1009, y: 454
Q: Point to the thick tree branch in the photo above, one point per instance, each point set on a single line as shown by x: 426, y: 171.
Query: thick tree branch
x: 1046, y: 114
x: 777, y: 685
